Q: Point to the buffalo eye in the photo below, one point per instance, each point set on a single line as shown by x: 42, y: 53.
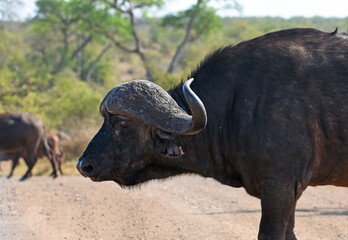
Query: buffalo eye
x: 120, y: 126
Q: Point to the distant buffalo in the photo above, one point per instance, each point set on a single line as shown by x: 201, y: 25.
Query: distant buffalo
x: 53, y: 141
x: 22, y: 134
x: 269, y: 115
x: 57, y: 154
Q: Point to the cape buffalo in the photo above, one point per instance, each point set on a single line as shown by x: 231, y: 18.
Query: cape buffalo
x: 22, y: 133
x: 53, y: 141
x: 273, y: 118
x: 57, y: 154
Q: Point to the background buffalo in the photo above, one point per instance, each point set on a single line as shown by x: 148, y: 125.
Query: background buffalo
x: 23, y: 134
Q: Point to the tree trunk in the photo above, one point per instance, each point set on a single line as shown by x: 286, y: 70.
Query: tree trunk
x: 185, y: 40
x: 94, y: 63
x: 63, y: 57
x: 139, y: 49
x: 81, y: 46
x: 79, y: 58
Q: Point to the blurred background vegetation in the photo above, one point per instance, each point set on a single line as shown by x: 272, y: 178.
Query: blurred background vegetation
x: 60, y: 63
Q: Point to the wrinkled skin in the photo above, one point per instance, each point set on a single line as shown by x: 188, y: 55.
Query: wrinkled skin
x: 137, y: 150
x: 277, y: 110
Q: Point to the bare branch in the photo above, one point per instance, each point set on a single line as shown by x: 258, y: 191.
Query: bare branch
x: 138, y: 47
x: 127, y: 7
x: 64, y: 53
x: 118, y: 44
x: 96, y: 28
x: 81, y: 46
x: 141, y: 5
x: 94, y: 63
x: 68, y: 21
x: 116, y: 6
x: 186, y: 38
x: 200, y: 32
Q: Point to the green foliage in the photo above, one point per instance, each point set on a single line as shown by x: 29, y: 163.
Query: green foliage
x: 239, y: 30
x: 25, y: 86
x: 105, y: 20
x: 165, y: 80
x: 6, y: 96
x: 8, y: 43
x: 206, y: 19
x: 70, y: 28
x: 42, y: 71
x: 69, y: 98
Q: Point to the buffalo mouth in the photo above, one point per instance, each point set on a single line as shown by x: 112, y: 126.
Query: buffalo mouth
x: 125, y: 180
x: 138, y: 176
x: 145, y: 174
x: 121, y: 179
x: 116, y: 178
x: 98, y: 179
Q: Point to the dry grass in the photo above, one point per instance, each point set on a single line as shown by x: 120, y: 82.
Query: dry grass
x: 73, y: 146
x: 41, y: 168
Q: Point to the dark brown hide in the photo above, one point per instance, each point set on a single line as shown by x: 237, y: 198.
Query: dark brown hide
x: 277, y: 109
x: 22, y: 133
x: 54, y: 150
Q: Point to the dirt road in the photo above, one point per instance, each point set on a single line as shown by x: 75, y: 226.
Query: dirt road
x: 186, y: 207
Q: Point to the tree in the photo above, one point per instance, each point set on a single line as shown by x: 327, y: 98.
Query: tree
x: 116, y: 20
x: 63, y: 24
x: 198, y: 20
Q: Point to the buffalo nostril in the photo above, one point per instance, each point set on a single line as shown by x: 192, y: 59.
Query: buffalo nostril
x: 85, y: 168
x: 88, y: 169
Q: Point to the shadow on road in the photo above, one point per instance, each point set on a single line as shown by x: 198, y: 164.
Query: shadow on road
x: 228, y: 212
x: 306, y: 212
x: 323, y: 212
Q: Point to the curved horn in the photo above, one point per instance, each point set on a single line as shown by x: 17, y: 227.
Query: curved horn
x: 149, y: 102
x: 199, y: 115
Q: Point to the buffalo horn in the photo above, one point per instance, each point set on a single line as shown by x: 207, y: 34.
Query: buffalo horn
x: 149, y: 102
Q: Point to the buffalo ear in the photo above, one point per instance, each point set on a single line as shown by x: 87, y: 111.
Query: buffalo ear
x: 166, y: 145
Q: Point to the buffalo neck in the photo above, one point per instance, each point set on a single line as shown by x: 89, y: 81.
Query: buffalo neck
x: 205, y: 153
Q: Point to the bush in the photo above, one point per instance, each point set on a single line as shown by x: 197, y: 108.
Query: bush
x: 70, y: 98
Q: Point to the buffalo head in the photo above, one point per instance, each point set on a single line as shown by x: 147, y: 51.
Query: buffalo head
x: 137, y: 141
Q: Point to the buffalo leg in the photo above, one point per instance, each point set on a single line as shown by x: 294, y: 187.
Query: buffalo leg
x: 53, y: 160
x: 278, y: 204
x: 60, y: 160
x: 30, y: 161
x: 28, y: 173
x: 290, y: 235
x: 14, y: 165
x: 60, y: 169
